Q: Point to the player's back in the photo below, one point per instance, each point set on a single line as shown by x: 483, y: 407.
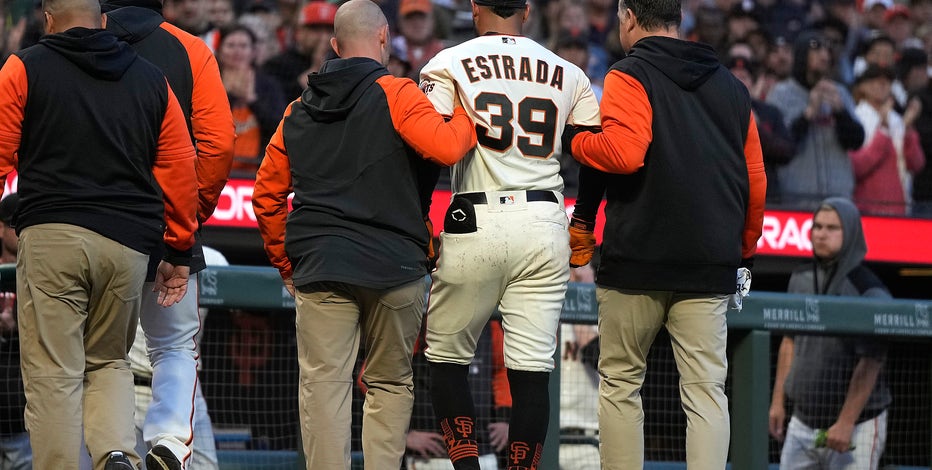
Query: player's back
x: 520, y: 95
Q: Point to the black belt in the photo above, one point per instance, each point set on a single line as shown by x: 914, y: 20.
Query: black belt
x: 532, y: 196
x: 142, y: 381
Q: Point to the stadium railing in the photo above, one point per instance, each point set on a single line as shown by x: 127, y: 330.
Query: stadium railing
x: 750, y: 330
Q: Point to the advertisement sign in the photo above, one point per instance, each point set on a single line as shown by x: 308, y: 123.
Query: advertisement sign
x: 785, y: 233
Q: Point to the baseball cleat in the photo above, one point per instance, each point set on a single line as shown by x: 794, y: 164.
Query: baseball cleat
x: 118, y: 461
x: 161, y: 458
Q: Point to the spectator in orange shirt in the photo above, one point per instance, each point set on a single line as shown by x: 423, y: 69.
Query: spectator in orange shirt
x: 256, y: 98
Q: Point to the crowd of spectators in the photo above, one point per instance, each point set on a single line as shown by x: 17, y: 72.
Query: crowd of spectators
x: 805, y: 57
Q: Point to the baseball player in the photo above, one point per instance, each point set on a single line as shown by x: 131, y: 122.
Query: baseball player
x: 170, y: 333
x: 504, y: 243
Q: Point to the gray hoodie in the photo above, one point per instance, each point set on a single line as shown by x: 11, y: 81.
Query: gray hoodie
x: 822, y: 365
x: 821, y: 167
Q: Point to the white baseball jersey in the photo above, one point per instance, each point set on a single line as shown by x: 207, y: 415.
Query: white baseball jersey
x: 520, y: 95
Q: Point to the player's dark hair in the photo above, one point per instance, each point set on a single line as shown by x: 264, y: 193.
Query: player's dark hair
x: 504, y: 12
x: 655, y: 14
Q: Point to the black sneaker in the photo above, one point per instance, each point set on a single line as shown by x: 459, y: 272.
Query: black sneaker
x: 161, y: 458
x: 118, y: 461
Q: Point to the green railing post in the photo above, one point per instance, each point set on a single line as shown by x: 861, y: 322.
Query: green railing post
x: 750, y: 401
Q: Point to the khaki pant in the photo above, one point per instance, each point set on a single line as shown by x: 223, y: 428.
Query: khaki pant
x: 628, y: 323
x: 78, y: 298
x: 331, y: 317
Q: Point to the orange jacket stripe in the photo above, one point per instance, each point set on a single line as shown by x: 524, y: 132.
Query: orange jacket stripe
x: 501, y: 390
x: 174, y: 171
x: 626, y: 128
x: 422, y: 128
x: 270, y: 199
x: 13, y: 88
x: 757, y: 180
x: 211, y: 122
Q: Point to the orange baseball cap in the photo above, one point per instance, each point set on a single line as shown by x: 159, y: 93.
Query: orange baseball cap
x: 317, y: 13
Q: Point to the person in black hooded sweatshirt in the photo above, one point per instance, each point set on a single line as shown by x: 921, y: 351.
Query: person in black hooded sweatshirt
x: 106, y: 174
x: 354, y: 250
x: 682, y: 218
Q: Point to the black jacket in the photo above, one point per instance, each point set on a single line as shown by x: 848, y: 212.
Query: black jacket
x: 679, y: 222
x: 104, y: 183
x: 357, y: 214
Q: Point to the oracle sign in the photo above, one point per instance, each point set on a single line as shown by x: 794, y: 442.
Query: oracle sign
x: 785, y: 233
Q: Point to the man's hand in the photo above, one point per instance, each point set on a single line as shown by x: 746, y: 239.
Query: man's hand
x: 171, y: 282
x: 582, y: 242
x: 838, y: 437
x: 777, y: 420
x: 912, y: 112
x: 425, y: 444
x: 430, y: 234
x: 7, y: 312
x: 289, y: 284
x: 498, y: 435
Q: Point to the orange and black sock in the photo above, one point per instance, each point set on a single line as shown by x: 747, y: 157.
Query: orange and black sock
x: 453, y: 406
x: 530, y: 415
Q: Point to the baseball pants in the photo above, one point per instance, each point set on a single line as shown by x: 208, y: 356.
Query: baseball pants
x: 628, y: 323
x: 172, y: 349
x: 332, y: 318
x: 79, y: 295
x: 868, y: 440
x: 204, y: 451
x: 516, y: 260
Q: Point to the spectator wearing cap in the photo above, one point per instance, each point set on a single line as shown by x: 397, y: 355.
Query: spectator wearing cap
x: 777, y: 66
x: 873, y: 12
x: 891, y: 154
x: 898, y: 25
x: 417, y: 42
x: 311, y: 48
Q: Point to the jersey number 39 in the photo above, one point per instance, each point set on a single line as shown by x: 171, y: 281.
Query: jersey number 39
x: 537, y: 116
